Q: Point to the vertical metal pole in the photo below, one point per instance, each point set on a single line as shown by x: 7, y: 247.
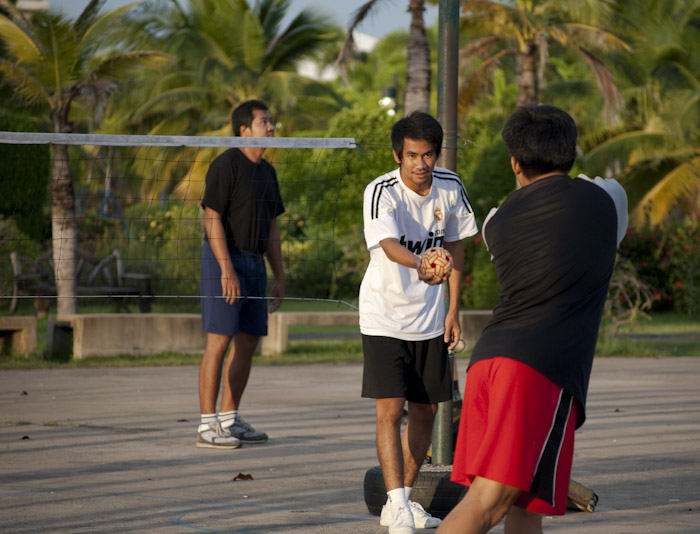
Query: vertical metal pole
x: 448, y: 72
x: 448, y: 54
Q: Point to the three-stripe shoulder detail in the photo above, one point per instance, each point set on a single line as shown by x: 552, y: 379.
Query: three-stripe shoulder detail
x: 377, y: 193
x: 447, y: 175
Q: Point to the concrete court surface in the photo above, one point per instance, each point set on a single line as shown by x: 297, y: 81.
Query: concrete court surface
x: 113, y: 451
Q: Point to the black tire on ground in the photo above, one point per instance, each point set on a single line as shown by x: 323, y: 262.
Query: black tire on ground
x: 433, y: 490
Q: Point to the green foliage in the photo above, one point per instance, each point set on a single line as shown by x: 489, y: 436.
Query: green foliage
x: 385, y: 67
x: 167, y: 242
x: 628, y: 299
x: 372, y: 158
x: 25, y: 178
x: 667, y: 259
x: 487, y: 175
x: 654, y: 146
x: 480, y: 286
x: 323, y: 243
x: 308, y: 265
x: 164, y: 241
x: 219, y: 68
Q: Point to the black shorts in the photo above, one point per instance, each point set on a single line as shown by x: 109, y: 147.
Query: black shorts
x: 417, y: 371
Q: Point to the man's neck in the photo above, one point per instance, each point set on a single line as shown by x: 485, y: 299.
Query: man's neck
x: 254, y: 154
x: 528, y: 181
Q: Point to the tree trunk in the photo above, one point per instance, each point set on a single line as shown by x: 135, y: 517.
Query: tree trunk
x: 64, y: 231
x: 527, y: 76
x: 417, y: 62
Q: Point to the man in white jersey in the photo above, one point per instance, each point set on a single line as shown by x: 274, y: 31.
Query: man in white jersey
x: 406, y: 330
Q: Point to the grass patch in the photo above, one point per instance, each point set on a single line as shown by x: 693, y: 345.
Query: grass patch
x: 665, y: 335
x: 316, y: 351
x: 620, y: 346
x: 667, y: 323
x: 668, y: 334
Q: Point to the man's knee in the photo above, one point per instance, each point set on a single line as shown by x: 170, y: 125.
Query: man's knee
x: 246, y: 343
x: 494, y: 498
x: 421, y: 413
x: 217, y: 344
x: 389, y: 411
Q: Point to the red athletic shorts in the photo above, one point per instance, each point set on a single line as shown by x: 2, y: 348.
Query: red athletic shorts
x: 517, y: 428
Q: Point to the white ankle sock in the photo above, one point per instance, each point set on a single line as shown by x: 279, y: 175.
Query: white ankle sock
x: 396, y: 499
x: 228, y: 418
x: 205, y: 419
x: 407, y: 491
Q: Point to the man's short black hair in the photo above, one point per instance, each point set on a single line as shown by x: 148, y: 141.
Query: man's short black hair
x: 419, y: 126
x: 542, y: 139
x: 243, y: 114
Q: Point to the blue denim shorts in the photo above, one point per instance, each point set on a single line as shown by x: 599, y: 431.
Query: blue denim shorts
x: 246, y: 314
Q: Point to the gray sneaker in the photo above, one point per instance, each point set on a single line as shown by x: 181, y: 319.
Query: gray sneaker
x: 216, y: 437
x: 246, y: 433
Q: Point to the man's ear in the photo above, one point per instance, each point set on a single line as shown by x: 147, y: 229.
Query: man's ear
x: 520, y: 178
x: 244, y: 131
x: 515, y: 166
x: 397, y: 159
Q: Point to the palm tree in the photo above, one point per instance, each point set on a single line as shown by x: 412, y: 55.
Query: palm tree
x: 219, y: 68
x: 58, y: 63
x: 525, y: 29
x: 417, y: 54
x: 657, y: 147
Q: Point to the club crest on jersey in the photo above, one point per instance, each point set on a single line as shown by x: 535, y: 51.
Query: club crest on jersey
x: 437, y: 214
x: 435, y: 239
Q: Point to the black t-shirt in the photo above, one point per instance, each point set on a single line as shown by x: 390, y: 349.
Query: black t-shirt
x: 247, y: 197
x: 553, y: 245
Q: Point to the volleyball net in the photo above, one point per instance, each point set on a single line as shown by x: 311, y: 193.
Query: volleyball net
x: 136, y: 205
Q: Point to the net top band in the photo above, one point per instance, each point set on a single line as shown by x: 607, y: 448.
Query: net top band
x: 35, y: 138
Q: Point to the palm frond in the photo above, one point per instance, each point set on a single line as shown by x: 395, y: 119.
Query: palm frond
x: 690, y: 115
x: 61, y: 65
x: 676, y: 186
x: 478, y: 47
x: 176, y: 101
x: 303, y: 36
x: 472, y: 86
x: 94, y: 28
x: 271, y: 14
x: 253, y: 35
x: 606, y: 83
x: 17, y: 16
x: 121, y: 66
x: 620, y: 148
x: 358, y: 16
x: 585, y: 35
x: 88, y: 17
x: 24, y: 82
x: 19, y: 43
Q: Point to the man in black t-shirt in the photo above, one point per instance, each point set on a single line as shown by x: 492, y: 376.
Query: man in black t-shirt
x: 553, y: 243
x: 241, y: 202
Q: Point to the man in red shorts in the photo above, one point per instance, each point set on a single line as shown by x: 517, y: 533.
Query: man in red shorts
x: 553, y: 243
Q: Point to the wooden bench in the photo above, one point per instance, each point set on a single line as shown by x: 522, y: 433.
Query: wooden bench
x: 18, y: 334
x: 95, y: 276
x: 471, y: 321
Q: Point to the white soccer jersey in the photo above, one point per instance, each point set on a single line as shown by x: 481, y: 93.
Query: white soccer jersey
x: 393, y: 301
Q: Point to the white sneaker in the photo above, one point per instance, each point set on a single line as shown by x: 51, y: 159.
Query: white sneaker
x: 402, y: 523
x: 421, y: 518
x: 215, y: 437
